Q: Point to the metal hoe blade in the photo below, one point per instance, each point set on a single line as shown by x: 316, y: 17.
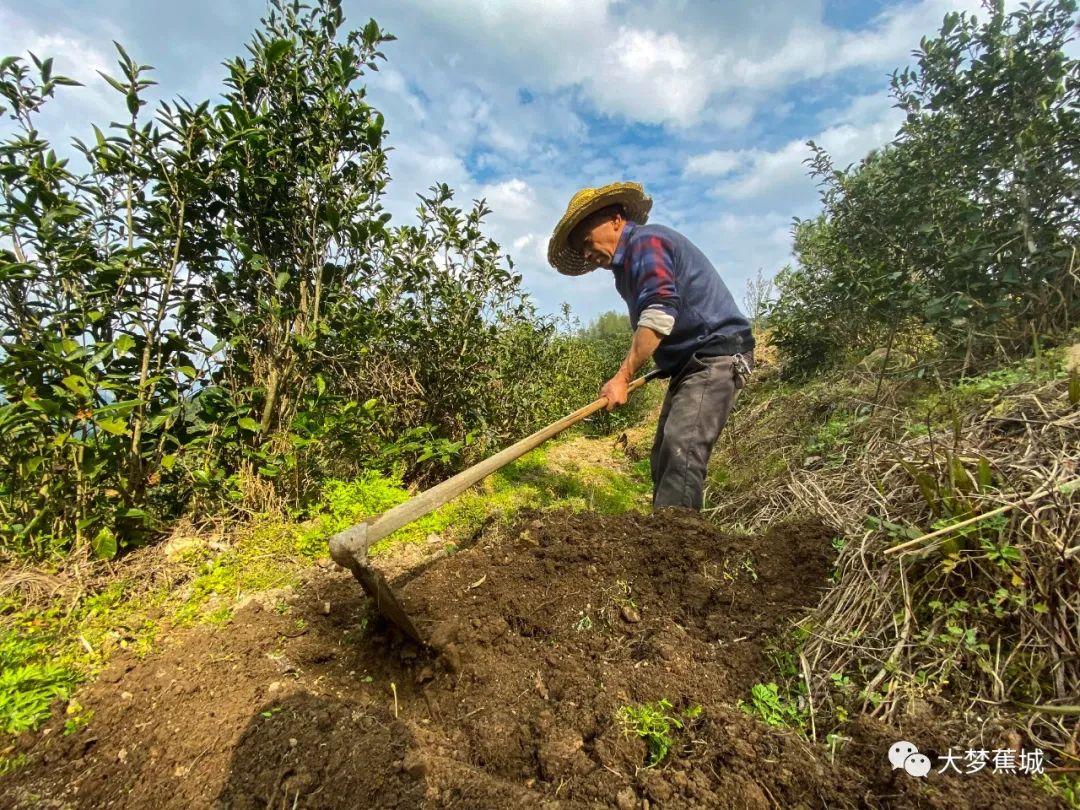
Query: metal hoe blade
x: 349, y: 549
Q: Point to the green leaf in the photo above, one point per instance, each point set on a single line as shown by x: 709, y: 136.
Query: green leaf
x: 124, y: 344
x: 104, y: 544
x: 113, y: 82
x: 76, y: 384
x: 277, y: 49
x: 280, y: 280
x: 33, y: 402
x: 188, y: 371
x: 247, y: 423
x: 117, y: 427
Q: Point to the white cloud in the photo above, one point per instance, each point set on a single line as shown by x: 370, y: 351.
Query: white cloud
x: 865, y: 123
x: 667, y: 61
x: 524, y: 101
x: 650, y: 77
x: 716, y: 163
x: 68, y: 114
x: 514, y: 199
x: 766, y: 171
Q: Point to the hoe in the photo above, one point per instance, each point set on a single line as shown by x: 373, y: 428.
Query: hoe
x: 349, y: 548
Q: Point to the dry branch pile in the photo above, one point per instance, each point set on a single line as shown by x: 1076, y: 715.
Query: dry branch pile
x: 983, y: 617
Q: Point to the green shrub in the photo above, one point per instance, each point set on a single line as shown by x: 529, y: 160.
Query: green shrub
x: 203, y: 353
x: 964, y: 226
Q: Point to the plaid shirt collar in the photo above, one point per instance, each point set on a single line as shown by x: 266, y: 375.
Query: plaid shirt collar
x: 619, y: 257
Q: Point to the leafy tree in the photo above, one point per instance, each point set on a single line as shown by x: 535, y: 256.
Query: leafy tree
x: 967, y: 222
x: 96, y: 332
x: 610, y: 325
x: 218, y: 314
x: 759, y: 295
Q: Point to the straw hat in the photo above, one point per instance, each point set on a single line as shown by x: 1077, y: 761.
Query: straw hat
x: 633, y: 200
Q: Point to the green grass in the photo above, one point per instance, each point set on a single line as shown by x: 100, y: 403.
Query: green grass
x: 27, y: 693
x: 836, y: 434
x: 828, y: 417
x: 37, y: 668
x: 11, y: 764
x: 45, y: 654
x: 935, y: 409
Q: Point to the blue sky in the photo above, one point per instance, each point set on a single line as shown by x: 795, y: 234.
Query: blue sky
x: 708, y: 104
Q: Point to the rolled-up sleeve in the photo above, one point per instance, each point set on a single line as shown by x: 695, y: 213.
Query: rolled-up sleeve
x: 652, y: 268
x: 657, y: 319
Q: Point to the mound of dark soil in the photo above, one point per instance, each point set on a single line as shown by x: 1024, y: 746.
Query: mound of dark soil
x: 537, y: 640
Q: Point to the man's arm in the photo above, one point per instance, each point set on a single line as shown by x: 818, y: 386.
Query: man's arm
x: 656, y: 297
x: 641, y: 349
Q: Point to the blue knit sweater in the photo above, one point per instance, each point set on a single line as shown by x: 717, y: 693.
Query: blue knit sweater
x: 656, y: 266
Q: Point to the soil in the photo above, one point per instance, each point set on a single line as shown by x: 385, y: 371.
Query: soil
x: 538, y: 637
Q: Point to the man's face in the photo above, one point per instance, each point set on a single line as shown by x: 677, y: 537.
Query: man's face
x: 596, y: 238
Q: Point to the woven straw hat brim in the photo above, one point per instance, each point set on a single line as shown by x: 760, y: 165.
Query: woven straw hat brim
x: 630, y: 195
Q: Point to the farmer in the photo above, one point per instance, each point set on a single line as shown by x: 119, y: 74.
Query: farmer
x: 683, y: 317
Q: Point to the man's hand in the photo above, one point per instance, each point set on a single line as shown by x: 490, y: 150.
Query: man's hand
x: 641, y: 349
x: 615, y: 391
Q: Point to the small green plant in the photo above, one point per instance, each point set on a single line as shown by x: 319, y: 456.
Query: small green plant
x: 11, y: 764
x: 623, y: 591
x: 837, y: 543
x: 584, y: 622
x: 733, y: 567
x: 77, y: 718
x: 27, y: 692
x: 775, y: 708
x: 835, y: 743
x: 1065, y: 787
x: 657, y: 724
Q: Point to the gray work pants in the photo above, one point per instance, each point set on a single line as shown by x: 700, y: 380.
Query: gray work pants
x: 698, y: 402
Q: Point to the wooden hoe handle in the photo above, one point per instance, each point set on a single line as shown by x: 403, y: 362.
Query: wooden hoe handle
x: 429, y: 500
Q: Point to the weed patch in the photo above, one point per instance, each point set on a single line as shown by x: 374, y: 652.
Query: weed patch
x: 657, y: 724
x: 28, y: 691
x: 768, y: 703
